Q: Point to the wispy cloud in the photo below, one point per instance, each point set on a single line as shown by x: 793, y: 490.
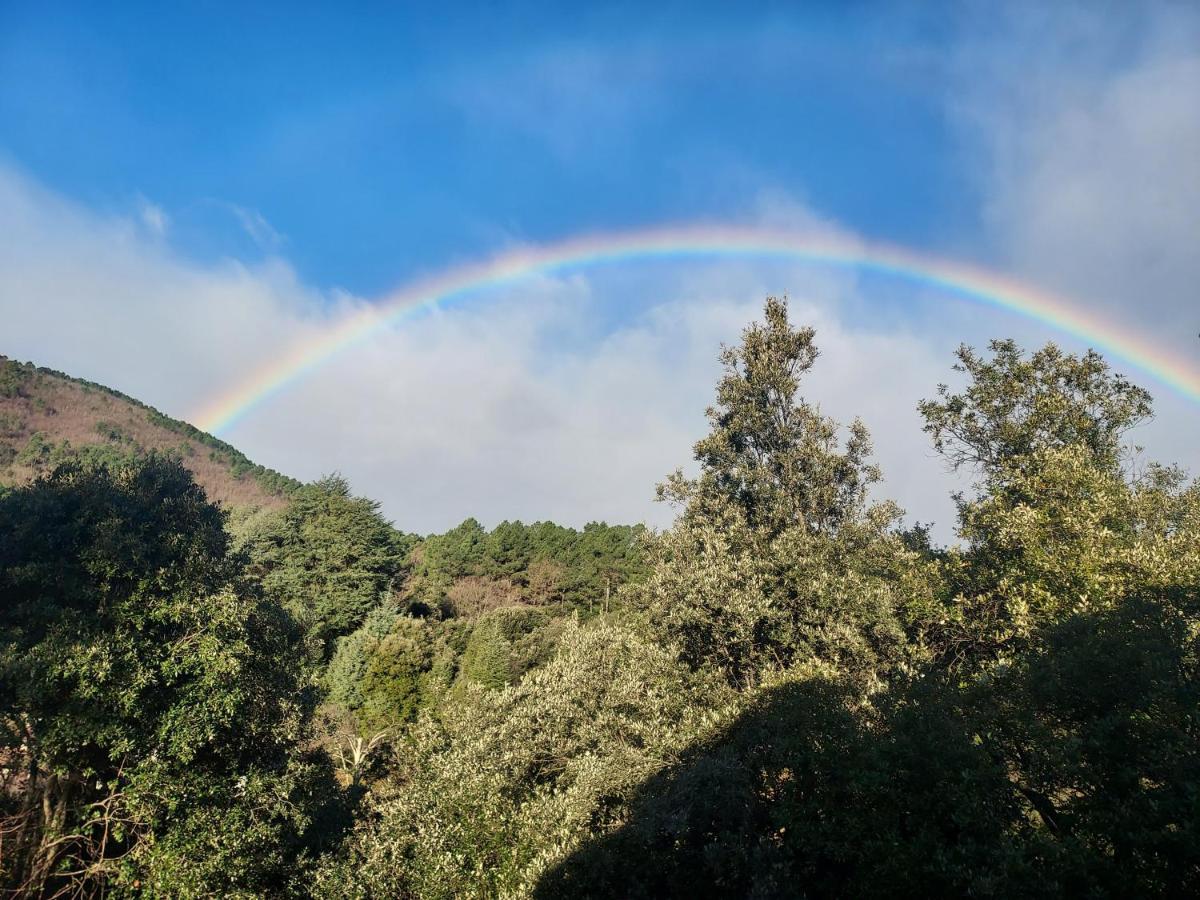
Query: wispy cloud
x: 257, y: 227
x: 572, y: 98
x: 153, y: 217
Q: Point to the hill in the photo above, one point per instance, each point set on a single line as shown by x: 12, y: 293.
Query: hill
x: 48, y: 417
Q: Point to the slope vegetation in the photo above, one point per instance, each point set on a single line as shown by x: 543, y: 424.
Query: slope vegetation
x: 47, y: 418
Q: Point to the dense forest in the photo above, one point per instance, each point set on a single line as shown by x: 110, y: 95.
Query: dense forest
x: 789, y: 692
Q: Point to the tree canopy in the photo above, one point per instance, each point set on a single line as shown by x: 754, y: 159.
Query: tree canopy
x: 787, y: 692
x: 150, y: 692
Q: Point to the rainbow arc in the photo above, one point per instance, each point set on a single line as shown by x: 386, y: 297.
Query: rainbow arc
x: 954, y: 279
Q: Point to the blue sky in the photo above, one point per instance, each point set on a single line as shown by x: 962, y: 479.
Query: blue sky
x: 375, y: 146
x: 189, y: 189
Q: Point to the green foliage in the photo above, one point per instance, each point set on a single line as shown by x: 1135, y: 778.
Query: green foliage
x: 777, y: 558
x: 343, y: 676
x: 14, y: 378
x: 392, y: 682
x: 394, y: 665
x: 329, y: 557
x: 1072, y: 771
x: 113, y: 432
x: 486, y: 660
x: 37, y: 451
x: 771, y: 457
x: 506, y: 643
x: 505, y: 782
x: 1015, y: 407
x: 152, y: 696
x: 541, y: 564
x: 42, y: 455
x: 807, y: 793
x: 784, y: 694
x: 1058, y: 527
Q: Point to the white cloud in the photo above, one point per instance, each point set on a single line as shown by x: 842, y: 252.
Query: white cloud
x: 527, y: 403
x: 524, y: 404
x: 154, y: 217
x: 99, y: 297
x: 255, y: 225
x: 1087, y: 127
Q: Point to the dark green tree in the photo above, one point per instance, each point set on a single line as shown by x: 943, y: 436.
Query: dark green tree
x: 329, y: 557
x: 149, y: 696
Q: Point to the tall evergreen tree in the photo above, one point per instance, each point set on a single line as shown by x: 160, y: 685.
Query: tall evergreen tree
x: 777, y: 557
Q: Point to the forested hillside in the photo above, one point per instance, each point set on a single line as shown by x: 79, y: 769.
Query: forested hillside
x: 48, y: 418
x: 790, y: 692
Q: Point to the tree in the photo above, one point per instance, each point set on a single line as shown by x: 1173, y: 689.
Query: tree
x: 506, y: 550
x: 777, y: 557
x: 1014, y: 407
x: 151, y: 696
x: 545, y: 578
x: 503, y: 783
x: 771, y: 457
x: 329, y: 557
x: 1057, y: 526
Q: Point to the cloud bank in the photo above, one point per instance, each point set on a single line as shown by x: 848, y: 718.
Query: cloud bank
x: 1082, y: 136
x: 530, y: 403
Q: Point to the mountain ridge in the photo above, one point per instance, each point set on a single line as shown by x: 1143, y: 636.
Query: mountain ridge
x: 48, y: 417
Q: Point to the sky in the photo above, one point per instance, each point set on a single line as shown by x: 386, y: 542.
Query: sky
x: 187, y: 190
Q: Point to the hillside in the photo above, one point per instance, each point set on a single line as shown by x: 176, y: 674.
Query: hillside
x: 47, y: 417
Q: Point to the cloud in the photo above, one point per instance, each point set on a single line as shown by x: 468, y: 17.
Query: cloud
x: 97, y: 296
x: 1086, y: 133
x: 257, y: 227
x: 153, y: 217
x: 483, y: 412
x: 1083, y: 137
x: 530, y: 403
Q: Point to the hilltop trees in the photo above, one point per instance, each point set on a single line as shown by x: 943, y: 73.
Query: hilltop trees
x: 149, y: 696
x: 469, y: 569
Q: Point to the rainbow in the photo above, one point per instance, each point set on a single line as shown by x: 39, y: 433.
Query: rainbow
x: 954, y: 278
